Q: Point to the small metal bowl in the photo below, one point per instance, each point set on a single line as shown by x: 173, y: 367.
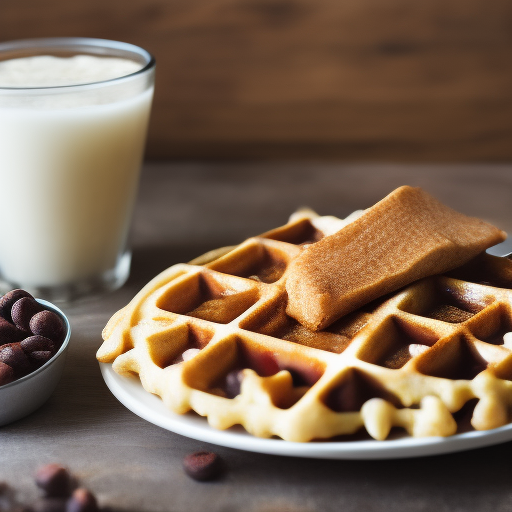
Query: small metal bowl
x: 25, y: 395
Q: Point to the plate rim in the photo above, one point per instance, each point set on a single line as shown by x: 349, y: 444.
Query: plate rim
x: 196, y: 427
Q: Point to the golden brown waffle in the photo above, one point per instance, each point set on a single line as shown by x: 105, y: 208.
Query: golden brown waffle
x: 410, y: 360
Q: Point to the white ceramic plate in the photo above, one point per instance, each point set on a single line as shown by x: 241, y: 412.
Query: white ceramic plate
x: 131, y: 394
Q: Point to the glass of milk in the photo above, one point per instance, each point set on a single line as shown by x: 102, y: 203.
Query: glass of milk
x: 73, y: 120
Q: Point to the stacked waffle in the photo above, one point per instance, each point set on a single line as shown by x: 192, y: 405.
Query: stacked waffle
x: 261, y: 335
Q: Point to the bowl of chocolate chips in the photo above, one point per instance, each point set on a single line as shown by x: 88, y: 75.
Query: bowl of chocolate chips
x: 34, y: 337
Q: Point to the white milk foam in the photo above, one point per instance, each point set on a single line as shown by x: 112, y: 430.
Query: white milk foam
x: 49, y: 71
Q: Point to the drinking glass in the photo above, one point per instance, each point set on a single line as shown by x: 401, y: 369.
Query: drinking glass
x: 70, y: 159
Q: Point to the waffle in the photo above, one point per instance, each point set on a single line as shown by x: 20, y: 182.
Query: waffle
x: 213, y: 336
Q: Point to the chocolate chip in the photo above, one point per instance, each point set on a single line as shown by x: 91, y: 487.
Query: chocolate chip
x: 10, y: 333
x: 7, y: 497
x: 23, y: 310
x: 37, y: 343
x: 82, y: 500
x: 203, y: 466
x: 6, y: 374
x: 8, y: 300
x: 346, y: 397
x: 48, y: 324
x: 40, y: 357
x: 233, y: 383
x: 49, y: 505
x: 298, y: 379
x: 12, y: 354
x: 20, y: 316
x: 54, y: 480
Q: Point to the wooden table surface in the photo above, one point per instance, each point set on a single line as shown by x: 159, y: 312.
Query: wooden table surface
x: 182, y: 211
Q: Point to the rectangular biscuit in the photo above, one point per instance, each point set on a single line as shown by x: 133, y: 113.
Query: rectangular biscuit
x: 405, y: 237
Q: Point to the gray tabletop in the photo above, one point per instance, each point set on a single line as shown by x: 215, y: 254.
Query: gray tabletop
x: 183, y: 211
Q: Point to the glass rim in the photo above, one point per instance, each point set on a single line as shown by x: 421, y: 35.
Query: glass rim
x: 82, y: 42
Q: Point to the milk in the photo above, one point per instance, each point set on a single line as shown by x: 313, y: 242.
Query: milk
x: 69, y: 169
x: 50, y: 71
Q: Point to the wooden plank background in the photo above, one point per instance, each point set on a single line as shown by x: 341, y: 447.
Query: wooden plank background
x: 350, y: 79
